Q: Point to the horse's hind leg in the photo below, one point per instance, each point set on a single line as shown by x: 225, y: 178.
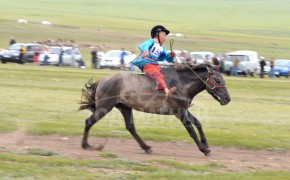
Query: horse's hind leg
x: 95, y: 117
x: 88, y: 124
x: 128, y: 116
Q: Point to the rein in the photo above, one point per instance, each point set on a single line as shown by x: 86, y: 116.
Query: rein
x: 208, y: 78
x: 171, y: 44
x: 205, y: 82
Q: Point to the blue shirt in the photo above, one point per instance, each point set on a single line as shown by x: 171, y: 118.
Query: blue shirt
x: 156, y: 53
x: 122, y: 55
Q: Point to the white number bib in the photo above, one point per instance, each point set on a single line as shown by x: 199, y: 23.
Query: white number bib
x: 156, y: 50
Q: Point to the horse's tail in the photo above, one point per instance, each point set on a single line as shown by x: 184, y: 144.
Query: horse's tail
x: 88, y: 96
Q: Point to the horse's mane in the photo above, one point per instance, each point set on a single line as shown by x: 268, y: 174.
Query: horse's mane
x: 183, y: 67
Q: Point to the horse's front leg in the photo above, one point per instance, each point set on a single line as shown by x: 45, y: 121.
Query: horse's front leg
x: 197, y: 124
x: 184, y: 118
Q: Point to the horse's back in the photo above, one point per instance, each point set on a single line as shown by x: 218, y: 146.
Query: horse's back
x: 121, y: 82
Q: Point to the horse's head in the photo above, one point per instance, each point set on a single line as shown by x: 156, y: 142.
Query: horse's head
x: 216, y: 86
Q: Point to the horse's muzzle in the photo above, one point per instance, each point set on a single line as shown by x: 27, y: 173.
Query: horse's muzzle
x: 225, y: 100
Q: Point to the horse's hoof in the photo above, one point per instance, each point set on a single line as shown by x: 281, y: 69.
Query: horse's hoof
x: 99, y: 148
x: 207, y: 152
x: 148, y: 150
x: 206, y: 146
x: 86, y: 146
x: 92, y: 148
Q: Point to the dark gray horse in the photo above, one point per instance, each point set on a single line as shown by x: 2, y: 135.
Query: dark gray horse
x: 127, y: 91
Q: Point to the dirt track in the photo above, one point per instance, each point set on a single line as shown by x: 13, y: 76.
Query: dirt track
x: 232, y: 158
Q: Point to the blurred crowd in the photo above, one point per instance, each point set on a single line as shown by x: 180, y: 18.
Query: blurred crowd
x: 42, y: 56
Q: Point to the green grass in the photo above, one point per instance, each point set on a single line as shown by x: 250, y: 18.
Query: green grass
x: 189, y: 166
x: 41, y: 152
x: 107, y: 155
x: 44, y: 100
x: 21, y: 166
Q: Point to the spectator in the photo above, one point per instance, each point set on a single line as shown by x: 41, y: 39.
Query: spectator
x: 222, y: 63
x: 46, y: 57
x: 271, y: 72
x: 234, y: 70
x: 185, y: 57
x: 82, y: 64
x: 94, y: 54
x: 45, y: 61
x: 215, y: 61
x: 73, y: 56
x: 22, y: 54
x: 12, y: 41
x: 60, y: 62
x: 262, y: 65
x: 207, y: 59
x: 122, y: 59
x: 182, y: 56
x: 36, y: 55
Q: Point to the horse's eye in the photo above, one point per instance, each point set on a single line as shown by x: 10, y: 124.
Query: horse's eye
x: 217, y: 81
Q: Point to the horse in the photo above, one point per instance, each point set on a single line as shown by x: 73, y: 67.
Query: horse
x: 127, y: 91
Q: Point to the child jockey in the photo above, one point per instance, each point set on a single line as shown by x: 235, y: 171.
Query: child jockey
x: 152, y: 51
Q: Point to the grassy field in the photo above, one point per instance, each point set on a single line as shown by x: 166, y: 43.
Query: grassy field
x: 44, y: 100
x: 57, y: 167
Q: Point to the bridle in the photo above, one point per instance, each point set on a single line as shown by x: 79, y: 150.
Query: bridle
x: 209, y: 82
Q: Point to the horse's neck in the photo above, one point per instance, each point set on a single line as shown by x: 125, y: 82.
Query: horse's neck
x: 194, y: 81
x: 188, y: 82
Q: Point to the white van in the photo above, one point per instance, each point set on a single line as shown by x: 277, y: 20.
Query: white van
x: 248, y: 61
x: 112, y: 59
x: 67, y: 57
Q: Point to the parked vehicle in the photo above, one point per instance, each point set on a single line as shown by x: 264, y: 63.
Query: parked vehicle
x: 180, y: 54
x: 13, y: 52
x: 282, y: 67
x: 248, y: 61
x: 166, y: 64
x: 67, y: 58
x: 1, y: 52
x: 112, y: 59
x: 201, y: 56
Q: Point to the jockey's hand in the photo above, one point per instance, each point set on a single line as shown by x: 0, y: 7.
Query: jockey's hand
x: 172, y: 54
x: 145, y: 54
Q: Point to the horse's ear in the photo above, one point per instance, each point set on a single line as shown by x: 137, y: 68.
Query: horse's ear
x: 216, y: 67
x: 209, y: 68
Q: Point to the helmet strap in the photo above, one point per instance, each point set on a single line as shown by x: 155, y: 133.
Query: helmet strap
x: 159, y: 39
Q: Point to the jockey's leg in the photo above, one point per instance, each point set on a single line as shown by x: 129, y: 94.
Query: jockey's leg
x: 153, y: 71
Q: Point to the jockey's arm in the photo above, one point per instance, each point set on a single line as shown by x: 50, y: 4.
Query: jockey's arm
x: 145, y: 46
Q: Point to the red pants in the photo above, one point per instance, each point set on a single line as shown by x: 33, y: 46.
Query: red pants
x: 153, y: 71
